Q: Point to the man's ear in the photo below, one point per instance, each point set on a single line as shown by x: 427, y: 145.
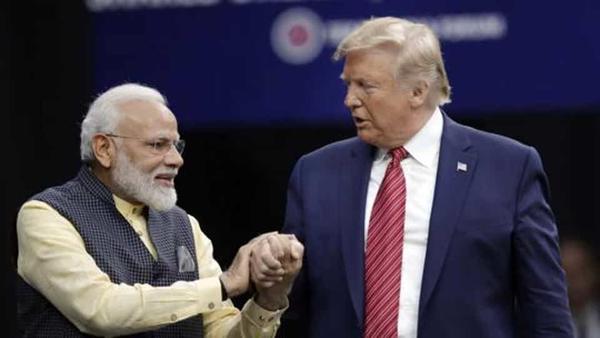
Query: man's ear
x: 104, y: 150
x: 419, y: 94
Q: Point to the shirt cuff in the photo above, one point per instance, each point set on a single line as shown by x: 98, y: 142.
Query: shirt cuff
x: 209, y: 294
x: 261, y: 317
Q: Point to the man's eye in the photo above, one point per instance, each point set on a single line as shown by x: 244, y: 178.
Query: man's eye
x: 160, y: 144
x: 366, y: 85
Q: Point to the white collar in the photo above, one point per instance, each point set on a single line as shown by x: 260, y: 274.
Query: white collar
x: 424, y: 146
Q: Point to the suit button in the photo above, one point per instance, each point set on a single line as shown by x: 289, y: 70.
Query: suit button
x: 211, y: 305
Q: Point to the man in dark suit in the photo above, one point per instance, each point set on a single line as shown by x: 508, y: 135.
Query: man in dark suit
x: 420, y: 226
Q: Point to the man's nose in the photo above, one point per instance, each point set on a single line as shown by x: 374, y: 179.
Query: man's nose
x: 351, y: 101
x: 173, y: 158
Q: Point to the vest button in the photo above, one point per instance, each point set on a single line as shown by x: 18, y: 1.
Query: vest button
x: 173, y: 317
x: 211, y: 305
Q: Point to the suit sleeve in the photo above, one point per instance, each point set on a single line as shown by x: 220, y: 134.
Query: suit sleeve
x: 542, y: 303
x: 295, y: 320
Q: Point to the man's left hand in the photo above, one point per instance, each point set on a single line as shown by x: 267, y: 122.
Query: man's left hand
x: 274, y: 264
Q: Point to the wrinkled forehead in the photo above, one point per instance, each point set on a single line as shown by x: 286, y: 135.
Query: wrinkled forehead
x: 143, y: 118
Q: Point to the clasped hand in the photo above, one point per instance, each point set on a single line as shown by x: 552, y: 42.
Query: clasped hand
x: 271, y: 261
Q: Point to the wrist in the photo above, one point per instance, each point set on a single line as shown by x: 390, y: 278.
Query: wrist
x: 271, y: 302
x: 224, y: 295
x: 228, y: 286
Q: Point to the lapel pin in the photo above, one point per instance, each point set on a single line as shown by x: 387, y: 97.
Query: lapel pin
x: 461, y: 167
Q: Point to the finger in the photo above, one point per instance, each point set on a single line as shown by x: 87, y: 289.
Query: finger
x: 277, y: 247
x: 255, y: 274
x: 265, y: 285
x: 295, y: 267
x: 266, y: 256
x: 254, y: 241
x: 263, y: 262
x: 255, y: 262
x: 297, y: 250
x: 261, y: 237
x: 241, y: 259
x: 263, y: 279
x: 262, y: 274
x: 261, y: 253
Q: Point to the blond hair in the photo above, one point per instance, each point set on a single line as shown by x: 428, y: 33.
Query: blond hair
x: 419, y: 53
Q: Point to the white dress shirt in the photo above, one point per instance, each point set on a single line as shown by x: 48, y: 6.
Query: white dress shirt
x: 420, y: 169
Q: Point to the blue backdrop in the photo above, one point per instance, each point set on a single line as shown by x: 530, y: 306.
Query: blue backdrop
x: 268, y: 62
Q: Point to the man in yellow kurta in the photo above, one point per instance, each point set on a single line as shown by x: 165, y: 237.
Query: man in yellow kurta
x: 110, y: 254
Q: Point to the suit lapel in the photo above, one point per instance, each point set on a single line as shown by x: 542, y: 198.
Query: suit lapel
x: 455, y: 170
x: 355, y: 169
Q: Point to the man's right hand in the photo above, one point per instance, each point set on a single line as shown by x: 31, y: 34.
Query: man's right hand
x: 274, y: 264
x: 236, y: 279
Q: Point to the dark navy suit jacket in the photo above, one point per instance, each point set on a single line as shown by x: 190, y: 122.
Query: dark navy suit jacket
x: 492, y: 267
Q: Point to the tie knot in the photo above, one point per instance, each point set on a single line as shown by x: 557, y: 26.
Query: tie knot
x: 398, y: 154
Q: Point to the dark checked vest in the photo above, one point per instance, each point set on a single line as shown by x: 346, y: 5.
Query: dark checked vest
x: 117, y: 250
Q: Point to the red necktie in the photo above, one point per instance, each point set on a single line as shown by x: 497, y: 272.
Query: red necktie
x: 383, y: 261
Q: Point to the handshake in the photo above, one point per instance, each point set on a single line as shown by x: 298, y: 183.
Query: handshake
x: 271, y: 262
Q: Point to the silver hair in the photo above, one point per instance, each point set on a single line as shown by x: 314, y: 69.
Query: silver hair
x: 419, y: 53
x: 103, y: 116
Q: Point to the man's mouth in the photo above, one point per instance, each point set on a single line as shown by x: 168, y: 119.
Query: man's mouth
x: 358, y: 120
x: 166, y: 179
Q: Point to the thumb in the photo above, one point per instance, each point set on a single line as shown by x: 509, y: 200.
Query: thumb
x: 241, y: 262
x: 297, y: 250
x: 259, y: 237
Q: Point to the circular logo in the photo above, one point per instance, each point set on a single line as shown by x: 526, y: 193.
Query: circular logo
x: 297, y: 36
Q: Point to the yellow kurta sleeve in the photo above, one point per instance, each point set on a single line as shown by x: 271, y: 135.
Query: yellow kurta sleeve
x: 253, y: 321
x: 52, y: 259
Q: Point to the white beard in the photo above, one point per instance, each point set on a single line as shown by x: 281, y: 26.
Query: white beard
x: 142, y: 187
